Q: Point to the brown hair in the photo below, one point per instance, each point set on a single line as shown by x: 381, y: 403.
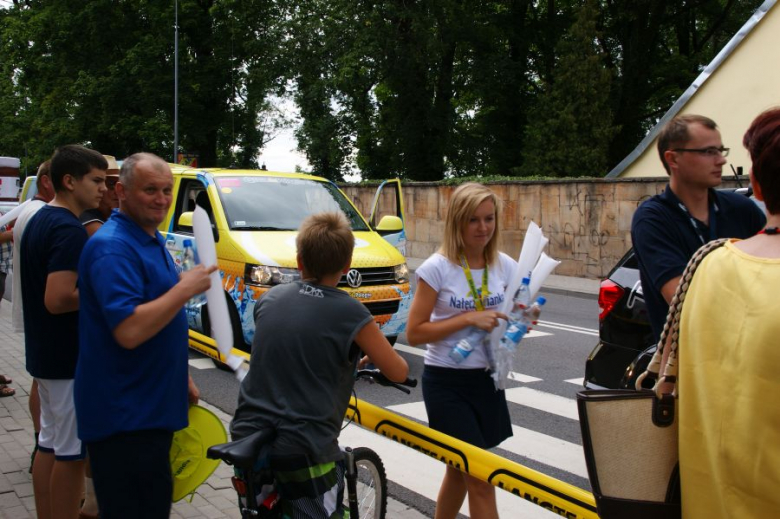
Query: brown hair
x: 325, y: 243
x: 76, y: 161
x: 44, y: 170
x: 675, y: 134
x: 762, y: 141
x: 462, y: 206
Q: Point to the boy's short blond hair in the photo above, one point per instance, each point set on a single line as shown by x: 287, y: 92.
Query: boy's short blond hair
x: 325, y: 244
x: 462, y: 206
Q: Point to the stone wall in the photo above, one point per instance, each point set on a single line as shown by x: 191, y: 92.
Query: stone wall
x: 588, y: 222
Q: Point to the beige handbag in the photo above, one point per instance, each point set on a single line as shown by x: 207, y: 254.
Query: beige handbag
x: 630, y: 436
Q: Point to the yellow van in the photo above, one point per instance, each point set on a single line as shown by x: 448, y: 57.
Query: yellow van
x: 255, y: 216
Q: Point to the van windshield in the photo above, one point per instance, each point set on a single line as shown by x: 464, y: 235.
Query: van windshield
x: 280, y: 204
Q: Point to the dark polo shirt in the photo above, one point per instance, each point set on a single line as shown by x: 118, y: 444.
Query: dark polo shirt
x: 665, y: 236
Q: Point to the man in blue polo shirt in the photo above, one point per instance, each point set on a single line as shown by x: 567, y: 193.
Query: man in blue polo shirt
x: 132, y: 386
x: 668, y: 228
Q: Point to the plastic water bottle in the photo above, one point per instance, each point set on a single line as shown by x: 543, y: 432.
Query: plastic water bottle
x: 517, y: 329
x: 521, y: 301
x: 189, y: 258
x: 465, y: 346
x: 533, y: 313
x: 518, y: 325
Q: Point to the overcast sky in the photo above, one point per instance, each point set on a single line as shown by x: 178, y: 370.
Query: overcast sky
x: 280, y: 154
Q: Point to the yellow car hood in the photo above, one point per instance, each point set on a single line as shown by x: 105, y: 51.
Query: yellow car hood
x: 277, y: 248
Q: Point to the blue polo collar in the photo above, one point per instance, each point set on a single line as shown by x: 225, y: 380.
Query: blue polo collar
x: 135, y: 230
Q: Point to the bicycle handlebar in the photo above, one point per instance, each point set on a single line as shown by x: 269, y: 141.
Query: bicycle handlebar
x: 378, y: 377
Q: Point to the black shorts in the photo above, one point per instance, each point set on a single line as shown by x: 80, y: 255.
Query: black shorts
x: 464, y: 404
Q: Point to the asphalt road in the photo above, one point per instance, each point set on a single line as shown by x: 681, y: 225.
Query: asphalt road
x: 542, y: 407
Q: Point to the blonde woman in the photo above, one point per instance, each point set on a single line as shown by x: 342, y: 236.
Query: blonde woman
x: 458, y: 290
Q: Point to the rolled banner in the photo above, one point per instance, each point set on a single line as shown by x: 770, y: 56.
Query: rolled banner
x: 533, y: 243
x: 544, y: 242
x: 541, y: 271
x: 13, y: 214
x: 502, y: 361
x: 221, y: 329
x: 529, y: 255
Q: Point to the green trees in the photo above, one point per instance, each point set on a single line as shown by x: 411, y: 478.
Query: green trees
x: 571, y: 125
x: 422, y: 90
x: 100, y: 72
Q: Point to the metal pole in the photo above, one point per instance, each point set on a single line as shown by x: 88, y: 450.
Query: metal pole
x: 176, y: 85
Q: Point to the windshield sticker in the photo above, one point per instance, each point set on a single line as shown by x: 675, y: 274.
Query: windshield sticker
x: 275, y: 180
x: 228, y: 182
x: 227, y: 190
x: 239, y: 223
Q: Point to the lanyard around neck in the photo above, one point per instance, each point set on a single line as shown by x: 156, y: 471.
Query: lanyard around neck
x: 483, y: 293
x: 713, y: 208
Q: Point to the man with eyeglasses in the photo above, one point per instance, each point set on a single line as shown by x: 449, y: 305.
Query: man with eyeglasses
x: 668, y: 228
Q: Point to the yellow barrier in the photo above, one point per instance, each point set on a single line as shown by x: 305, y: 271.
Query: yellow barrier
x: 556, y: 496
x: 207, y: 346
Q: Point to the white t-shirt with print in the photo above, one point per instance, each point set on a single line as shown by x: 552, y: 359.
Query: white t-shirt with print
x: 454, y: 297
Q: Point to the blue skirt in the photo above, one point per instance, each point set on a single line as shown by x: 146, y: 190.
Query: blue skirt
x: 464, y: 404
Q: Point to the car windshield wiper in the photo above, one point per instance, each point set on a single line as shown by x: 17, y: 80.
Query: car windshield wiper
x: 260, y: 228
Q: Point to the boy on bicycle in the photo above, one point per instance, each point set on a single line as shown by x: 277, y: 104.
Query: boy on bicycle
x: 308, y: 338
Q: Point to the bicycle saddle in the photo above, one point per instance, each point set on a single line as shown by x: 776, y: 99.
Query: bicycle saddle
x: 244, y: 452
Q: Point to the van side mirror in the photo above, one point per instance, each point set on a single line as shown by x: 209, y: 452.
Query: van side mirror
x: 185, y: 221
x: 389, y: 224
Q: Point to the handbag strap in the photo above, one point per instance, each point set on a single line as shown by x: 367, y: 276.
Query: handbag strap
x: 672, y: 325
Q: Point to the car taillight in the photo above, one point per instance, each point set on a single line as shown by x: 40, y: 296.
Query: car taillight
x: 609, y: 294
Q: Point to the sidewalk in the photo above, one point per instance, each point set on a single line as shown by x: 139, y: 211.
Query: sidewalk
x: 215, y: 499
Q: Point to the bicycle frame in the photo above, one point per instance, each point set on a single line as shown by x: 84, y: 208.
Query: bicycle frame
x: 351, y: 478
x: 252, y: 508
x: 551, y: 494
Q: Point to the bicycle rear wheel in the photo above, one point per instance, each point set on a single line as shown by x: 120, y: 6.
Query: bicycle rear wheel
x: 371, y: 485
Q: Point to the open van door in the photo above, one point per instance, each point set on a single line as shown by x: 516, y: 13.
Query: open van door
x: 387, y: 214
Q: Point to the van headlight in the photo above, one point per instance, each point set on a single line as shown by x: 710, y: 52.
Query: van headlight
x: 270, y: 276
x: 401, y: 273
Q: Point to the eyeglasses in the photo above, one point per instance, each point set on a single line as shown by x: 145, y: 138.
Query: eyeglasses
x: 111, y: 182
x: 712, y: 151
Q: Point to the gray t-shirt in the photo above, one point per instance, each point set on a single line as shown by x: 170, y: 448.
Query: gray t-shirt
x: 301, y: 372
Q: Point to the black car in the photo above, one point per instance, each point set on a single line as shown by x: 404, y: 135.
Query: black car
x: 625, y: 338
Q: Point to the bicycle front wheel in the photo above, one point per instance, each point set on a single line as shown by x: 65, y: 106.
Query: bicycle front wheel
x: 371, y: 485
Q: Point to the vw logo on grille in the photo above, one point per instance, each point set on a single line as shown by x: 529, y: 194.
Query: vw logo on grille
x: 354, y: 279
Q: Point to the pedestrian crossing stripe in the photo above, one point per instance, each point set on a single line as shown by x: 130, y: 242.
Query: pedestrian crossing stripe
x: 202, y: 363
x: 543, y: 401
